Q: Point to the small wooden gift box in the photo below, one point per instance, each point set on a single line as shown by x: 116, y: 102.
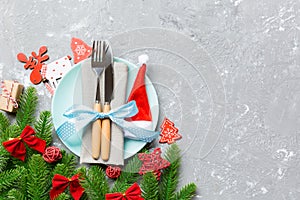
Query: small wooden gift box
x: 11, y: 91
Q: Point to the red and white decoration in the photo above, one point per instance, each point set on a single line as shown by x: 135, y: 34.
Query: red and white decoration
x: 55, y: 70
x: 80, y: 50
x: 169, y: 133
x: 138, y: 93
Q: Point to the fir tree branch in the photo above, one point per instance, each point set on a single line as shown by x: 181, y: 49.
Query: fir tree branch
x: 38, y: 174
x: 12, y: 131
x: 43, y: 127
x: 149, y: 186
x: 170, y: 175
x: 186, y: 192
x: 63, y: 169
x: 4, y: 123
x: 27, y: 106
x: 16, y: 195
x: 4, y: 158
x: 128, y: 176
x: 68, y: 159
x: 9, y: 177
x: 63, y: 196
x: 95, y: 183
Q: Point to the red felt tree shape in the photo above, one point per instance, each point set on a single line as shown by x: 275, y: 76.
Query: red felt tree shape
x: 153, y: 162
x: 169, y: 133
x: 34, y: 62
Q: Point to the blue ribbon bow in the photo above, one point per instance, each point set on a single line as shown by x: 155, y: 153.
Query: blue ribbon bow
x: 79, y: 116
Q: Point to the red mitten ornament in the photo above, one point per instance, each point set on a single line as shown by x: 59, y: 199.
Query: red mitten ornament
x: 60, y: 183
x: 169, y: 133
x: 80, y: 50
x: 153, y: 162
x: 16, y: 146
x: 132, y: 193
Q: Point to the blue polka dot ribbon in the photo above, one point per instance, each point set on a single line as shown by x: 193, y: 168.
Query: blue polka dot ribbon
x: 80, y: 116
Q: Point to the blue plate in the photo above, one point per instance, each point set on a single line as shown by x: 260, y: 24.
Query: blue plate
x: 67, y: 93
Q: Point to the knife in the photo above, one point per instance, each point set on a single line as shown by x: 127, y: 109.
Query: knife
x: 106, y: 123
x: 96, y: 127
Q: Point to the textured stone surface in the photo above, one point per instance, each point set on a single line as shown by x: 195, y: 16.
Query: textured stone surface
x: 226, y: 73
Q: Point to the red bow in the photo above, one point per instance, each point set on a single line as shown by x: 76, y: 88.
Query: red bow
x: 132, y: 193
x: 60, y: 183
x: 16, y: 146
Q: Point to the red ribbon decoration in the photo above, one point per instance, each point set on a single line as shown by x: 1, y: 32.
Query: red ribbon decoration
x: 16, y: 146
x: 132, y: 193
x: 60, y: 183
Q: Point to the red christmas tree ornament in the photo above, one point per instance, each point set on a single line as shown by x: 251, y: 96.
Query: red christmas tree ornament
x: 169, y: 133
x: 132, y: 193
x: 16, y: 147
x: 113, y: 172
x: 60, y: 183
x: 80, y: 50
x: 153, y: 162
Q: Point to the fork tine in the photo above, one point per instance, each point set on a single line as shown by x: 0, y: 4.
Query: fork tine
x: 93, y: 50
x: 97, y: 53
x: 101, y: 50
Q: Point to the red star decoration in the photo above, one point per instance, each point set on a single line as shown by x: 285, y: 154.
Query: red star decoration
x: 169, y: 133
x: 153, y: 162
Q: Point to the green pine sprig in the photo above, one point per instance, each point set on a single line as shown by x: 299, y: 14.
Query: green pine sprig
x: 38, y: 174
x: 186, y: 192
x: 128, y: 176
x: 4, y: 123
x: 149, y: 186
x: 64, y: 196
x: 27, y: 107
x: 4, y: 158
x: 10, y: 177
x: 15, y: 194
x: 43, y: 127
x: 170, y: 175
x: 94, y: 182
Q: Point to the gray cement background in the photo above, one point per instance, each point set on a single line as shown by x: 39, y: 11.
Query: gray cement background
x: 226, y: 72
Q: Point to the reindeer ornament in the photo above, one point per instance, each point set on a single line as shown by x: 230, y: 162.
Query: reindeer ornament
x: 49, y: 74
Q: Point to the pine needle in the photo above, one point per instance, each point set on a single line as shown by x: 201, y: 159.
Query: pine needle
x: 62, y: 169
x: 186, y: 192
x: 149, y: 185
x: 4, y: 123
x: 128, y: 176
x: 9, y: 177
x: 95, y: 183
x: 4, y: 158
x: 43, y: 127
x: 16, y: 195
x: 68, y: 159
x: 170, y: 175
x: 38, y: 174
x: 12, y: 131
x: 63, y: 196
x: 27, y: 106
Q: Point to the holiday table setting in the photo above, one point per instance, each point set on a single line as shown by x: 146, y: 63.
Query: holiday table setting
x: 149, y: 100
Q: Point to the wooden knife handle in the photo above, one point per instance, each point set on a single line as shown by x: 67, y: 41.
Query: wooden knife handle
x: 96, y: 134
x: 105, y: 139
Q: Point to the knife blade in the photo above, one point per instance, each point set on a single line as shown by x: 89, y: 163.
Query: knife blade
x: 106, y: 123
x: 96, y: 127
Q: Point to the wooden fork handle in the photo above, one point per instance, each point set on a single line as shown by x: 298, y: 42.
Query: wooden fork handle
x: 96, y: 134
x: 105, y: 139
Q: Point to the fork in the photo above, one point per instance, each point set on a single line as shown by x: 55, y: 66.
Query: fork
x: 98, y: 65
